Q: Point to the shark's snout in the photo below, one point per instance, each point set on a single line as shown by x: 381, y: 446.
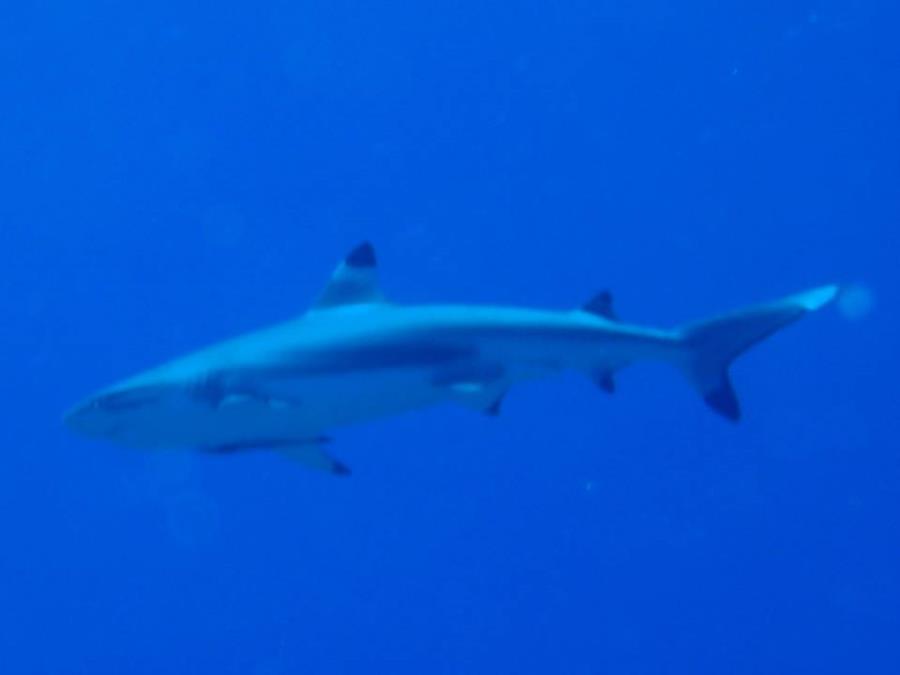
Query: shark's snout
x: 88, y: 418
x: 106, y: 414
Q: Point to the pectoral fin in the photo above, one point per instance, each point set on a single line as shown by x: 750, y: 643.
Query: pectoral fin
x: 307, y: 451
x: 481, y: 386
x: 313, y: 455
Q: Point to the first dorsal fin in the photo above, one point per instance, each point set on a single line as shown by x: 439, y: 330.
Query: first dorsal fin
x: 354, y: 281
x: 601, y: 305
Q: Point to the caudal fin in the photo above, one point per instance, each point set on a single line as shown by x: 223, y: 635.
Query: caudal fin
x: 713, y: 344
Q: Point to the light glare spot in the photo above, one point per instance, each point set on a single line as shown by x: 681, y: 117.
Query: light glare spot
x: 856, y: 302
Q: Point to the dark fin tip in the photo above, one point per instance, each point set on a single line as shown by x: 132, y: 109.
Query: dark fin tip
x: 362, y: 256
x: 340, y: 469
x: 493, y: 410
x: 724, y: 401
x: 606, y: 382
x: 602, y: 305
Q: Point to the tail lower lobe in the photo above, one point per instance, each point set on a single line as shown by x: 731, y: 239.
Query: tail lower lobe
x: 712, y: 345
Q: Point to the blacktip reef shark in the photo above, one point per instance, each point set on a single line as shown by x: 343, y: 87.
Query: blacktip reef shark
x: 354, y: 357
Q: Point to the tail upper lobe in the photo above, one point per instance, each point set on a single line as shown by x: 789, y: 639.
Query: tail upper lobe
x: 711, y: 345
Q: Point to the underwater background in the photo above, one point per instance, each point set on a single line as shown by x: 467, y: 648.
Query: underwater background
x: 175, y: 173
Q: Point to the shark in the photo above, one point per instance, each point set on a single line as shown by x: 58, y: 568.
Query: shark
x: 354, y: 357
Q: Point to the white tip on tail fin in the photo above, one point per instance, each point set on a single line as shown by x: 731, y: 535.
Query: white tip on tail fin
x: 713, y: 344
x: 816, y: 298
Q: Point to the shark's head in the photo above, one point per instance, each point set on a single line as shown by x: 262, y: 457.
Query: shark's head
x: 128, y: 414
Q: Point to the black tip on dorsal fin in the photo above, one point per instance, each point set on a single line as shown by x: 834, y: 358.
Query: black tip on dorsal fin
x: 361, y: 256
x: 601, y: 305
x: 353, y: 282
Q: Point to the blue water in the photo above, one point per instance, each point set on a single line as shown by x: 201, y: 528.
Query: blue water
x: 174, y: 173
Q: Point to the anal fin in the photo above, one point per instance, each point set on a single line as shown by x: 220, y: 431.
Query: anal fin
x: 493, y: 410
x: 483, y: 397
x: 481, y: 386
x: 605, y: 380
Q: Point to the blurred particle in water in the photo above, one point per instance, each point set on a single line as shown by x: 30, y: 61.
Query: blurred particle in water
x: 223, y: 226
x: 161, y: 474
x: 166, y: 483
x: 271, y: 666
x: 188, y: 152
x: 168, y: 472
x: 312, y: 61
x: 856, y: 302
x: 192, y: 519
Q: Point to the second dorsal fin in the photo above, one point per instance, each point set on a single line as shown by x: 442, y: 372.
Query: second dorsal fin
x: 354, y: 281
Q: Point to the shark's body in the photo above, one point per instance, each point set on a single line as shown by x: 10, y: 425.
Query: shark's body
x: 354, y: 357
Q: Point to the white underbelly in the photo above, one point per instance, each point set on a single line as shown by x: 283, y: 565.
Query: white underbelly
x: 283, y: 411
